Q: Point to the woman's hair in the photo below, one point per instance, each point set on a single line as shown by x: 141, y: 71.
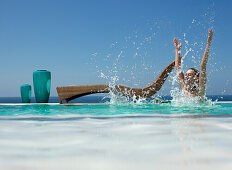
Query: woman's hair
x: 197, y: 73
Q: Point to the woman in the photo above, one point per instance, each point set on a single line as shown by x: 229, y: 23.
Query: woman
x: 193, y: 82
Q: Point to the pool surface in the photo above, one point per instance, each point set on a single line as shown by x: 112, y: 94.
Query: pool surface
x: 106, y: 136
x: 72, y: 110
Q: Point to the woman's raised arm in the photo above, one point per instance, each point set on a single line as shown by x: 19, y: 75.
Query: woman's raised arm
x: 178, y: 63
x: 202, y: 77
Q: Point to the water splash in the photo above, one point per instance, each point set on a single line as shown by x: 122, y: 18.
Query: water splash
x: 137, y: 47
x: 181, y: 99
x: 194, y: 48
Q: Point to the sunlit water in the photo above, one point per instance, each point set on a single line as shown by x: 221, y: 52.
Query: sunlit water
x: 126, y: 136
x: 177, y: 135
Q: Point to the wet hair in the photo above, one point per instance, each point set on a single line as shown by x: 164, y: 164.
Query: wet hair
x: 197, y: 73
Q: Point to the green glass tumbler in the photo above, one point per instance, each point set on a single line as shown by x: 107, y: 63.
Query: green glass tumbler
x: 25, y: 93
x: 42, y: 85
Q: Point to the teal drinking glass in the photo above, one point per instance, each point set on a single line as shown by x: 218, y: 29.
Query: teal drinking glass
x: 42, y: 85
x: 25, y: 93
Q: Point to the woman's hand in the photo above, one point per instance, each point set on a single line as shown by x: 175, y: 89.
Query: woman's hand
x: 176, y: 44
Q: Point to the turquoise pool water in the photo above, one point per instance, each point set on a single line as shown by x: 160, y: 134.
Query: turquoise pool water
x: 164, y: 109
x: 127, y: 136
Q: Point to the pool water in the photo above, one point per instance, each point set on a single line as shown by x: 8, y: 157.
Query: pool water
x: 107, y: 136
x: 158, y: 109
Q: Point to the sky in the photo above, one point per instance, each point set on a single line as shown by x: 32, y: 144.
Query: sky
x: 128, y: 42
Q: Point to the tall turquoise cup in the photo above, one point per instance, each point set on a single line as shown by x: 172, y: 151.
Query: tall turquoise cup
x: 42, y: 85
x: 25, y: 93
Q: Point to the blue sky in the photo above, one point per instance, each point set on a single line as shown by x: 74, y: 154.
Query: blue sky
x: 81, y: 42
